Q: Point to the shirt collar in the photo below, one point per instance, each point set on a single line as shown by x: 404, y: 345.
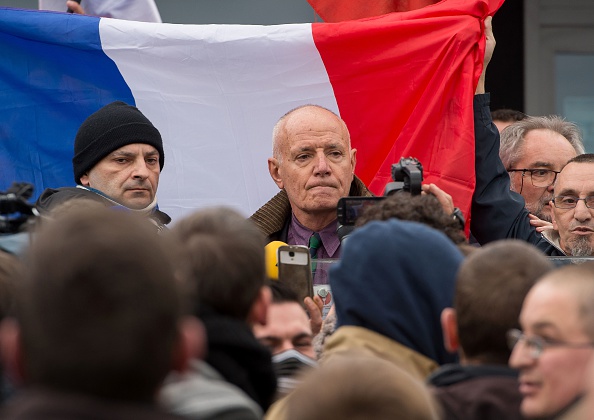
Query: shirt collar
x: 330, y: 241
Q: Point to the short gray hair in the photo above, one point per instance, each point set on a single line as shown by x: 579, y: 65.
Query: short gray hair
x: 512, y: 137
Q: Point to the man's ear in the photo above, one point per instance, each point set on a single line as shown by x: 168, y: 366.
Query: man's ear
x: 353, y: 159
x: 555, y: 226
x: 449, y: 325
x: 259, y: 310
x: 274, y: 170
x: 11, y: 351
x: 84, y: 180
x: 191, y: 343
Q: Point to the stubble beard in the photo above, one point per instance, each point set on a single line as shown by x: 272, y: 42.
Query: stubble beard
x: 539, y: 209
x: 580, y: 246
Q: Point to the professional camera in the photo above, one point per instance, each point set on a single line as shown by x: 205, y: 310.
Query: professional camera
x: 15, y: 210
x: 407, y: 175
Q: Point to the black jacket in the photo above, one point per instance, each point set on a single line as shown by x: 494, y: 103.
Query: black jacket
x: 485, y: 392
x: 35, y: 404
x: 236, y: 354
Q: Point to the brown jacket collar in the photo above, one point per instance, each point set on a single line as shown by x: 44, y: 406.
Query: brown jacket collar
x: 272, y: 216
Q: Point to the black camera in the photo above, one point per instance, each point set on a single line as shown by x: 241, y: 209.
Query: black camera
x: 15, y: 210
x: 407, y: 175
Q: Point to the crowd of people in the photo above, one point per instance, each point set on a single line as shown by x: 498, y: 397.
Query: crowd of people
x: 108, y: 313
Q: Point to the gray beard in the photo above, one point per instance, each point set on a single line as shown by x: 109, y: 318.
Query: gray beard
x: 580, y: 247
x: 538, y: 211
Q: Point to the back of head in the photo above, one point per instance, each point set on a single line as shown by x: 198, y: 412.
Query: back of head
x: 225, y: 257
x: 490, y: 288
x: 512, y: 138
x: 415, y: 208
x: 98, y: 307
x: 394, y: 278
x: 282, y: 293
x: 360, y: 387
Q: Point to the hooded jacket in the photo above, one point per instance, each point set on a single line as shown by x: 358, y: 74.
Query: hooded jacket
x: 395, y: 277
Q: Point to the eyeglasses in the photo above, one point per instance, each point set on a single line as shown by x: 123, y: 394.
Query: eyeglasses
x: 538, y: 177
x: 536, y: 344
x: 570, y: 201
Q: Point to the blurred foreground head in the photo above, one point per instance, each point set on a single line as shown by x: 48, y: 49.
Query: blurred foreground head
x: 490, y: 288
x: 97, y: 309
x: 357, y: 386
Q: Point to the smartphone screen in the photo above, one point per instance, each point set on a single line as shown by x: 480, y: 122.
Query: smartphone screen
x: 294, y: 269
x: 350, y: 208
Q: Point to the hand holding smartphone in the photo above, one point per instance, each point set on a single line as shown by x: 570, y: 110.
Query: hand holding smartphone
x: 294, y: 269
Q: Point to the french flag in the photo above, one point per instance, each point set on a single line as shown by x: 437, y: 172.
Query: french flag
x: 403, y: 83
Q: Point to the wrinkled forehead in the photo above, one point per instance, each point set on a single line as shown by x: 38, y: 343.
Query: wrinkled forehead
x: 576, y: 178
x: 137, y: 148
x: 554, y: 306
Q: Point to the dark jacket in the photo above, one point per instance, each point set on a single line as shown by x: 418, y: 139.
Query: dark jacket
x: 273, y: 218
x: 486, y: 392
x: 498, y: 212
x: 236, y: 354
x: 51, y: 198
x: 44, y: 404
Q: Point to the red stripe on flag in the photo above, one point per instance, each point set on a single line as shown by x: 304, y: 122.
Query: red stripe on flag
x: 341, y: 10
x: 404, y: 84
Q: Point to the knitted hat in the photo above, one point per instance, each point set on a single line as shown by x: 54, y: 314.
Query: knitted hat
x: 111, y: 127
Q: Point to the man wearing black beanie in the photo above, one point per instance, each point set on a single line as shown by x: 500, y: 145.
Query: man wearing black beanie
x: 118, y: 157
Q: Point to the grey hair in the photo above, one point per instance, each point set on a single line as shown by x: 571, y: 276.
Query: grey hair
x: 279, y: 132
x: 512, y: 137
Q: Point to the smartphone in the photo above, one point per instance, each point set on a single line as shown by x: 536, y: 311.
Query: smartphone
x: 350, y: 208
x: 294, y: 269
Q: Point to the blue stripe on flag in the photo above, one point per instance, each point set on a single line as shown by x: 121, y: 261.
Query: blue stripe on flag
x: 53, y: 74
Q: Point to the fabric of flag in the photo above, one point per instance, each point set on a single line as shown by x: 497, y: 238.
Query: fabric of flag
x: 341, y: 10
x: 403, y: 83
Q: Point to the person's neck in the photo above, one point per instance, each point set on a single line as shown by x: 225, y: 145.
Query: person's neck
x: 315, y: 221
x: 146, y: 210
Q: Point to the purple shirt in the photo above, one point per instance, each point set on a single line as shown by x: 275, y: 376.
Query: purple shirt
x: 330, y: 247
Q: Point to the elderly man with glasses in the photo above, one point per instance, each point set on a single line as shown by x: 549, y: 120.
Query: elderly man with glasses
x: 554, y: 349
x: 534, y: 151
x: 499, y: 212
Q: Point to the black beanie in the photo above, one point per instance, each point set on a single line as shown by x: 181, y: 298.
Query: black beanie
x: 111, y: 127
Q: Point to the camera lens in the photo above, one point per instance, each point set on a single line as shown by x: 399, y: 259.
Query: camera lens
x: 291, y: 254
